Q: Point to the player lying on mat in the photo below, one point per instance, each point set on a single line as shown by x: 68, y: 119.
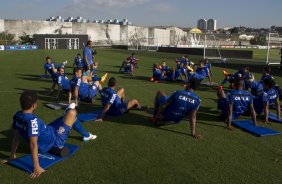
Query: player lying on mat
x: 173, y: 108
x: 42, y: 137
x: 236, y: 102
x: 81, y: 89
x: 114, y: 101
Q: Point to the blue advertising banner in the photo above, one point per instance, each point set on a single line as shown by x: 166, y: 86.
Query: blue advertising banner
x: 21, y: 47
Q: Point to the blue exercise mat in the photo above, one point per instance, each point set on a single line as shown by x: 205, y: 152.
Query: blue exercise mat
x: 92, y: 116
x: 274, y: 118
x: 248, y: 126
x: 46, y: 160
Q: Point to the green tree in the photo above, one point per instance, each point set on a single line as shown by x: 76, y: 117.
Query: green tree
x: 7, y: 38
x: 258, y: 40
x: 26, y: 39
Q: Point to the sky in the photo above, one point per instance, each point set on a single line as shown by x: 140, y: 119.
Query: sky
x: 184, y: 13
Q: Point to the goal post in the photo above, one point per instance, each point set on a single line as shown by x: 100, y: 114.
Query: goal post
x: 273, y: 49
x: 211, y: 47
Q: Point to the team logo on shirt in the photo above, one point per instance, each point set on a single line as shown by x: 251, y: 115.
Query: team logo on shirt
x: 34, y: 126
x: 61, y: 130
x: 185, y: 98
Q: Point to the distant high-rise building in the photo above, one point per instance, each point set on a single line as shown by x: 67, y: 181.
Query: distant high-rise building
x: 211, y: 25
x: 202, y: 24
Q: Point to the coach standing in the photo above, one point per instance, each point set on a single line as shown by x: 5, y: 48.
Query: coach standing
x: 87, y: 56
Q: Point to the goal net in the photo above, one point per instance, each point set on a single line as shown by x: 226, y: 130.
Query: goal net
x: 273, y: 56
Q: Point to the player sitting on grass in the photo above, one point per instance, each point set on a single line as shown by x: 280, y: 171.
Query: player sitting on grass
x: 114, y: 101
x: 229, y: 77
x: 81, y: 89
x: 203, y: 72
x: 236, y: 102
x: 267, y: 74
x: 50, y: 67
x: 208, y: 66
x: 41, y: 137
x: 62, y: 81
x: 251, y: 83
x: 173, y: 108
x: 129, y: 64
x: 78, y: 62
x: 269, y: 99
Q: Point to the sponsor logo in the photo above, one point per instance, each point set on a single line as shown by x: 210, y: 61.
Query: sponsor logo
x: 61, y: 130
x: 34, y: 126
x: 46, y: 156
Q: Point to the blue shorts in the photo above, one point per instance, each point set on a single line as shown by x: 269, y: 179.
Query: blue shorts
x: 93, y: 90
x: 167, y: 118
x: 118, y: 107
x: 162, y: 100
x: 223, y: 106
x: 258, y: 104
x: 61, y: 131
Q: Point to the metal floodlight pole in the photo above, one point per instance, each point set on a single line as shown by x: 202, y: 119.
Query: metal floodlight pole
x: 205, y: 44
x: 268, y: 49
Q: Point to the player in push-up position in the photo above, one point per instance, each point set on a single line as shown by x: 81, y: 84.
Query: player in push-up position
x: 114, y: 101
x: 236, y: 102
x: 173, y: 108
x: 41, y: 137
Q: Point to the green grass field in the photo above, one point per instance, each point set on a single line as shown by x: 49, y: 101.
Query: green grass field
x: 128, y: 149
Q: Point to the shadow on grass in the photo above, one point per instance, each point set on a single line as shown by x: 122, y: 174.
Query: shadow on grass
x: 33, y: 78
x: 6, y: 144
x: 255, y: 67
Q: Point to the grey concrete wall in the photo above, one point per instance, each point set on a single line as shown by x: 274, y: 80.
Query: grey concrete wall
x: 2, y: 28
x: 104, y: 34
x: 30, y: 27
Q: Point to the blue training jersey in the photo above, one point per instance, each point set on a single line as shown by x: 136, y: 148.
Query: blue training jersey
x: 272, y: 96
x: 181, y: 103
x: 108, y: 96
x: 208, y: 66
x: 256, y: 87
x: 265, y: 77
x: 83, y: 88
x: 241, y: 100
x: 88, y: 54
x: 30, y: 126
x: 203, y: 72
x: 63, y: 82
x: 78, y: 62
x: 49, y: 68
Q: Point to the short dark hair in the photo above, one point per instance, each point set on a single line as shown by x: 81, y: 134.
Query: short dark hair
x: 61, y: 67
x: 194, y: 83
x: 267, y: 69
x: 48, y: 57
x: 133, y: 54
x: 269, y: 82
x: 88, y: 42
x: 112, y: 82
x: 78, y: 54
x: 76, y: 69
x: 239, y: 82
x: 27, y: 99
